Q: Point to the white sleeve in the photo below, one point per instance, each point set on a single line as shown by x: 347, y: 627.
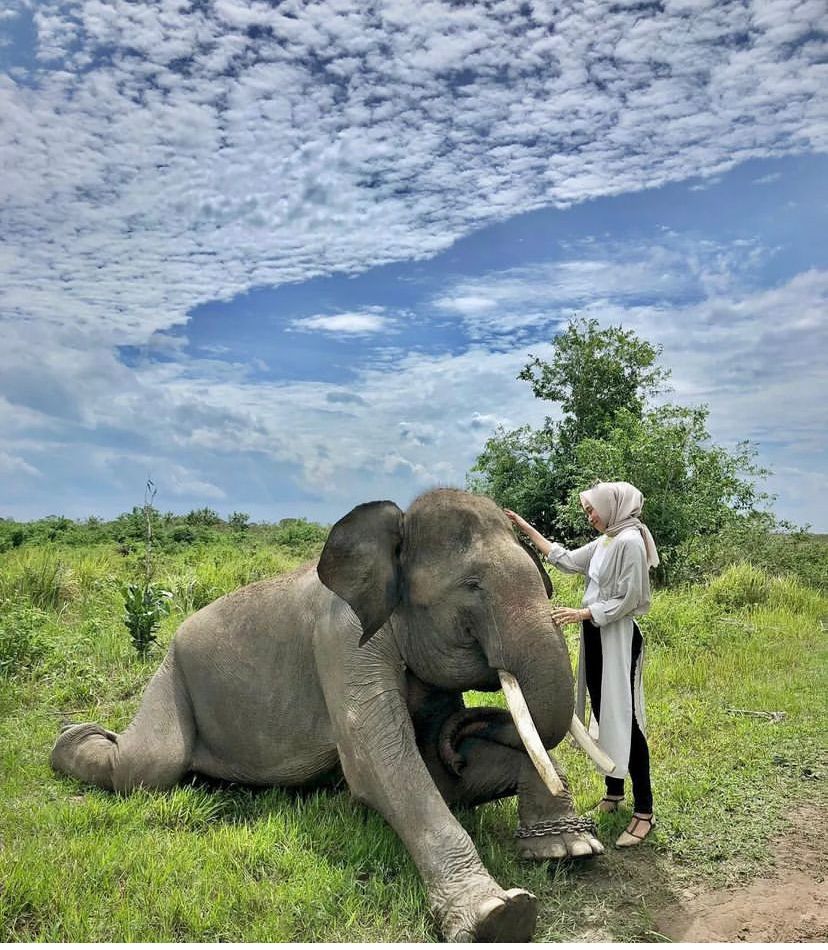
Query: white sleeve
x: 628, y: 585
x: 571, y: 562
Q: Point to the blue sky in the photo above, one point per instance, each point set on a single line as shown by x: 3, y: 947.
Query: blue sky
x: 286, y: 259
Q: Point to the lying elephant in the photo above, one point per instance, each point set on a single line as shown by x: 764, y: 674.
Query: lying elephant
x: 271, y: 685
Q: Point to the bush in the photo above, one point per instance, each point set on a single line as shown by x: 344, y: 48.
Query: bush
x: 183, y: 534
x: 303, y: 538
x: 203, y: 516
x: 679, y: 618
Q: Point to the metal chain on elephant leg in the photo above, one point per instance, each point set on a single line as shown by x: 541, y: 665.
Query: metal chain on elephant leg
x: 568, y: 823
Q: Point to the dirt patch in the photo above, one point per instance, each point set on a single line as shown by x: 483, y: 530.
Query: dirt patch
x: 788, y: 906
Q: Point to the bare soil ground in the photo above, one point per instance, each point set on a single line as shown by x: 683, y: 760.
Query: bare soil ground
x: 790, y: 905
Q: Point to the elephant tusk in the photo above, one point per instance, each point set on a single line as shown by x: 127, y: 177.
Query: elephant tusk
x: 528, y: 733
x: 590, y: 746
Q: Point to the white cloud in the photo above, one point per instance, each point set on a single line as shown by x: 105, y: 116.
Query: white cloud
x: 767, y: 179
x: 183, y: 482
x: 352, y: 324
x: 503, y: 302
x: 154, y: 140
x: 14, y: 465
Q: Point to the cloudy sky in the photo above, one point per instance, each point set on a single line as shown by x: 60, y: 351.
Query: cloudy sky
x: 288, y: 257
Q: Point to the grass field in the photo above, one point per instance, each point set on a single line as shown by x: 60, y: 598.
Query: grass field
x: 207, y: 864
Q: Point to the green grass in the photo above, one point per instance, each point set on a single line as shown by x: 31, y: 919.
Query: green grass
x: 232, y: 864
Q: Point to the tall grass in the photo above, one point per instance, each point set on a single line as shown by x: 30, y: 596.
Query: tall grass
x: 215, y: 574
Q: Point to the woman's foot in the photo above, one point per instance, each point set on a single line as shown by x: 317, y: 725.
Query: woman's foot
x: 610, y: 803
x: 637, y: 830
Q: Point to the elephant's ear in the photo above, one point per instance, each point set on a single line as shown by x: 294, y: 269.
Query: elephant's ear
x: 361, y: 563
x: 532, y: 552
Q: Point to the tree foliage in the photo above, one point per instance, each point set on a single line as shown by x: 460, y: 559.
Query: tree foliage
x: 594, y: 374
x: 603, y: 381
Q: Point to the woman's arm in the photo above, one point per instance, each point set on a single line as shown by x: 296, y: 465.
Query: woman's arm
x: 569, y: 562
x: 630, y: 585
x: 541, y: 543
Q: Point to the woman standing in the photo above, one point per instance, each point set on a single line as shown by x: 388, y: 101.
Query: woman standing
x: 612, y: 650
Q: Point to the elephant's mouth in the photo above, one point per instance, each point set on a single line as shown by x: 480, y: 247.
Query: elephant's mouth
x: 532, y: 741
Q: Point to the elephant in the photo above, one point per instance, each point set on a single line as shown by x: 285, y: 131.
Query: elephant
x: 356, y: 667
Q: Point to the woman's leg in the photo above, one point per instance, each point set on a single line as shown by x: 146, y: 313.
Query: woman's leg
x: 593, y: 666
x: 639, y: 751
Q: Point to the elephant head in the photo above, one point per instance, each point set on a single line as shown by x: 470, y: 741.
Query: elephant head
x: 466, y: 604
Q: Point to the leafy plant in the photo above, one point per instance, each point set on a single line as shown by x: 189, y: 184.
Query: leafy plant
x: 239, y: 521
x: 145, y: 606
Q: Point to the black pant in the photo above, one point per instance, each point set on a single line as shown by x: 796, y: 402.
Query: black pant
x: 639, y: 766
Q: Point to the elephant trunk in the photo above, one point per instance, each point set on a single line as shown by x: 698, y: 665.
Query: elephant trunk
x: 531, y: 650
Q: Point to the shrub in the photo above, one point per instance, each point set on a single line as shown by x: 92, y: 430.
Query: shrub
x: 203, y: 516
x: 300, y: 537
x: 183, y: 534
x: 679, y: 618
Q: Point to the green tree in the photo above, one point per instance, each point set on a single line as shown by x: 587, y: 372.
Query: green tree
x: 603, y: 380
x: 593, y: 374
x: 203, y: 516
x: 239, y: 521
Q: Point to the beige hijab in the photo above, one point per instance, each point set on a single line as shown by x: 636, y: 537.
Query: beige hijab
x: 619, y: 505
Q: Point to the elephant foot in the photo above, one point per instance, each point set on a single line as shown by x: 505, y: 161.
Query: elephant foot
x: 511, y: 920
x: 509, y: 917
x: 82, y: 729
x: 86, y: 751
x: 538, y: 843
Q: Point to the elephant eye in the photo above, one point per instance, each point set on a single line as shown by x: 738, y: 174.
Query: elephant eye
x: 473, y: 583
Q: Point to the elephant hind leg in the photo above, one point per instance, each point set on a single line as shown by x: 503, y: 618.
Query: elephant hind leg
x: 154, y: 752
x: 86, y: 751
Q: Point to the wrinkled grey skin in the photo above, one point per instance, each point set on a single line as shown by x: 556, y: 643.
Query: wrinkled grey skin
x: 269, y: 686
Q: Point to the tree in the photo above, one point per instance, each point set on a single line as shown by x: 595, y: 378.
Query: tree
x: 239, y: 521
x: 203, y: 516
x: 593, y: 374
x: 603, y: 380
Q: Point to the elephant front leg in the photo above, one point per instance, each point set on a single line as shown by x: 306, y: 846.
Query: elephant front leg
x: 548, y: 827
x: 384, y: 769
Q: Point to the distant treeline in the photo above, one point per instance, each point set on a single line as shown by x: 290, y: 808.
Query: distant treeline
x: 795, y: 553
x: 169, y: 530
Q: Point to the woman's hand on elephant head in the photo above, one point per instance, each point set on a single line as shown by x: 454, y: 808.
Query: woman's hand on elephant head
x: 515, y: 518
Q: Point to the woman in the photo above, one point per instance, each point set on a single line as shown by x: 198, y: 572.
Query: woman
x: 612, y: 650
